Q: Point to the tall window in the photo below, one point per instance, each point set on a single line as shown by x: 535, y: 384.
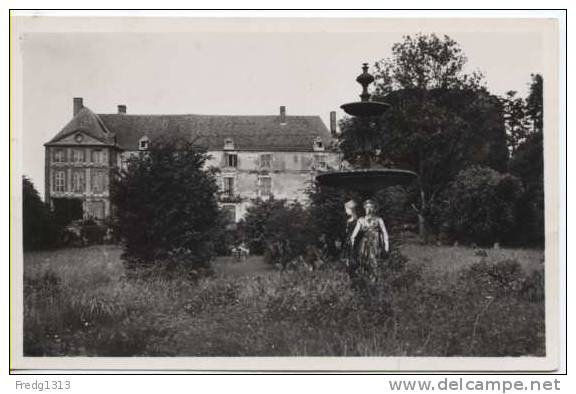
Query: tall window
x: 98, y: 156
x: 231, y: 160
x: 98, y: 181
x: 78, y: 155
x: 59, y: 156
x: 228, y: 186
x: 60, y: 181
x: 78, y: 181
x: 266, y: 160
x: 265, y: 186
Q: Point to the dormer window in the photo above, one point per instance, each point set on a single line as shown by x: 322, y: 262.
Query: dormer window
x: 318, y: 145
x: 144, y: 143
x: 228, y: 144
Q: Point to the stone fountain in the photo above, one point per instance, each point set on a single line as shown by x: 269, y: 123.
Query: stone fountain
x: 366, y: 180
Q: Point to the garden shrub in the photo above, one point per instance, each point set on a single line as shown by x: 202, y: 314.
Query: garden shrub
x: 281, y: 230
x: 495, y: 279
x: 534, y: 287
x: 40, y: 229
x: 93, y: 232
x: 482, y: 205
x: 166, y: 206
x: 527, y: 163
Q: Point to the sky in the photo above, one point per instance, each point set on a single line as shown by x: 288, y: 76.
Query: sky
x: 246, y: 72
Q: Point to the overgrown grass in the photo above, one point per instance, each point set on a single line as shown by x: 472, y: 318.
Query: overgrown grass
x: 79, y: 303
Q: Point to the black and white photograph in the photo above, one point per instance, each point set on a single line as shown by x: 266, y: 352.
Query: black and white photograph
x: 285, y: 193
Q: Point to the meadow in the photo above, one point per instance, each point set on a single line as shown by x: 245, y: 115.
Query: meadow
x: 446, y: 301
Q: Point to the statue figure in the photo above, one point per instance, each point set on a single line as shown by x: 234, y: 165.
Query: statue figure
x: 373, y: 242
x: 348, y: 254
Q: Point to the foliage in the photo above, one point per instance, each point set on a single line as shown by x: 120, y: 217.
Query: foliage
x: 527, y: 162
x: 40, y: 229
x: 280, y: 229
x: 534, y: 102
x: 523, y: 117
x: 425, y: 62
x: 166, y: 206
x: 515, y: 119
x: 489, y: 308
x: 440, y: 121
x: 93, y: 232
x: 253, y: 225
x: 481, y: 205
x: 327, y: 212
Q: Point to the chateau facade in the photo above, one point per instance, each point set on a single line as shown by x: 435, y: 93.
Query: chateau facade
x: 258, y: 156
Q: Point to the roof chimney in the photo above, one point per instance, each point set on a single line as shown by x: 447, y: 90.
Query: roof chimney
x: 78, y: 105
x: 333, y: 123
x: 282, y: 115
x: 121, y: 109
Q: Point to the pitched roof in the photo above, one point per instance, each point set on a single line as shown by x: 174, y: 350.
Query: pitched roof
x: 89, y: 123
x: 256, y: 133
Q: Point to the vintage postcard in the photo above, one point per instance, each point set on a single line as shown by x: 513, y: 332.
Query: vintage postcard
x: 279, y: 193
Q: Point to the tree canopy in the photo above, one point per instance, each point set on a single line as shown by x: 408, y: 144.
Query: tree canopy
x: 166, y: 204
x: 425, y: 62
x: 441, y: 118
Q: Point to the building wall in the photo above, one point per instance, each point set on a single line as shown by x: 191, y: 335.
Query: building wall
x: 289, y: 175
x: 87, y: 178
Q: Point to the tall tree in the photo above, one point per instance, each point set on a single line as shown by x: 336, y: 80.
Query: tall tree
x: 527, y: 162
x: 40, y: 230
x: 166, y: 206
x: 534, y: 102
x: 425, y: 62
x: 523, y: 116
x: 516, y: 120
x: 441, y: 118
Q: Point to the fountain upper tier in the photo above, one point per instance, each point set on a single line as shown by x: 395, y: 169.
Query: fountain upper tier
x: 365, y: 107
x: 366, y: 180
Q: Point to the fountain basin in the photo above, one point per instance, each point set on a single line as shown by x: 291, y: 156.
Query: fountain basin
x: 365, y: 108
x: 366, y: 180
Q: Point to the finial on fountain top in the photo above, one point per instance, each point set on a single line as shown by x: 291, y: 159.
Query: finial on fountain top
x: 365, y: 107
x: 365, y: 79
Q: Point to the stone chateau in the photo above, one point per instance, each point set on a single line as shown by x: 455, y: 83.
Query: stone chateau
x: 258, y: 156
